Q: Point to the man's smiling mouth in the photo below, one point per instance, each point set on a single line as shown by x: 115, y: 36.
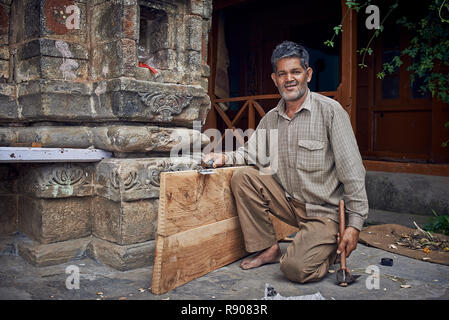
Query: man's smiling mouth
x: 290, y: 85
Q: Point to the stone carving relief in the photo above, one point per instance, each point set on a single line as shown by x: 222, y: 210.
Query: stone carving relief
x: 165, y: 105
x: 136, y: 179
x: 129, y: 179
x: 67, y: 175
x: 154, y: 173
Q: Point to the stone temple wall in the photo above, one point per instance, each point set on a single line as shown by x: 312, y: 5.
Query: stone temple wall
x: 69, y: 78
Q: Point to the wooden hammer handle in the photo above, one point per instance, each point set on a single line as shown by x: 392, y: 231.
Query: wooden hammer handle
x: 342, y: 221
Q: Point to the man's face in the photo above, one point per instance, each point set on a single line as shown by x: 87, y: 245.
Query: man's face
x: 291, y: 79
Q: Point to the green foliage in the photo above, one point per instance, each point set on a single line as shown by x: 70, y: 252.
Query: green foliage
x: 438, y: 224
x: 428, y: 47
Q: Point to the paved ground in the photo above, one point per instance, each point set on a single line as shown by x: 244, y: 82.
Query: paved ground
x: 419, y: 279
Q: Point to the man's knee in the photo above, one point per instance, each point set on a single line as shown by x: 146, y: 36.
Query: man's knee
x: 239, y: 176
x: 301, y: 272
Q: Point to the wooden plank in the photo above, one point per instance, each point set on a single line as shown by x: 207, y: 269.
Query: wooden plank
x: 188, y: 255
x: 189, y: 200
x: 198, y: 227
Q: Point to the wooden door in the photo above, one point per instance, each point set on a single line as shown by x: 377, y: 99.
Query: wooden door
x: 396, y: 120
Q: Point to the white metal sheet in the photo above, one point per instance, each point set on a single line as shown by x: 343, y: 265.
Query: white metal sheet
x: 25, y: 154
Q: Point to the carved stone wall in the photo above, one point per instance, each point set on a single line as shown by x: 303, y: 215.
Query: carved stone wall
x: 70, y: 78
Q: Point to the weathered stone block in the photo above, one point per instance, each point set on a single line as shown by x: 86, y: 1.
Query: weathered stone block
x: 4, y: 23
x: 59, y: 100
x: 196, y: 7
x: 125, y: 257
x: 114, y: 59
x: 134, y: 179
x: 145, y: 139
x: 54, y: 220
x: 58, y: 20
x: 158, y: 103
x: 4, y: 69
x: 112, y: 138
x: 62, y: 68
x: 8, y: 214
x: 121, y: 99
x: 52, y: 68
x: 201, y: 8
x: 41, y: 255
x: 124, y: 222
x: 194, y: 33
x: 27, y: 70
x: 4, y: 52
x: 59, y: 180
x: 52, y: 48
x: 114, y: 20
x: 193, y: 62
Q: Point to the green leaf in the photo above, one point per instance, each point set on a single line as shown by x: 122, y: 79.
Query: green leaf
x: 329, y: 43
x: 337, y: 29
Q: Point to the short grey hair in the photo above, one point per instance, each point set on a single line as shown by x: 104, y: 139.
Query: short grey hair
x: 289, y: 49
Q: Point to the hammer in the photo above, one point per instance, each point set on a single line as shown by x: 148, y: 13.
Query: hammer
x: 344, y: 278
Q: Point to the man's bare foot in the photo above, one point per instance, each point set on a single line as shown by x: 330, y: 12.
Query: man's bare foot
x: 270, y: 255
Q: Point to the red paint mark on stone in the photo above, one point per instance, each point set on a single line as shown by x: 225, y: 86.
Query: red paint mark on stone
x: 54, y: 19
x: 3, y: 20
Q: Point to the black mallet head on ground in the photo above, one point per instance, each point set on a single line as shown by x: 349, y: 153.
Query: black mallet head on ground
x: 344, y: 278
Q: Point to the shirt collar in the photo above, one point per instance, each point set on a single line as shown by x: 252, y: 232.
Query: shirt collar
x: 307, y: 105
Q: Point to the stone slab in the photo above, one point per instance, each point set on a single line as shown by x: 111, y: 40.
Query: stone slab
x: 57, y: 180
x: 55, y: 253
x: 55, y: 220
x: 135, y: 179
x: 52, y: 48
x: 120, y: 99
x: 121, y: 257
x: 113, y: 20
x: 4, y: 69
x: 118, y: 138
x: 4, y: 23
x: 408, y: 193
x: 114, y: 59
x: 124, y: 222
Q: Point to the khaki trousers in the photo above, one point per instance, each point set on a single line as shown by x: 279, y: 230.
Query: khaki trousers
x: 314, y: 246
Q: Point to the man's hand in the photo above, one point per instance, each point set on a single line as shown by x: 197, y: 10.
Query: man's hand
x: 218, y: 158
x: 349, y: 240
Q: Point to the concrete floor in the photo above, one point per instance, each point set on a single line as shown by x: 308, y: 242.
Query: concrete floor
x: 422, y: 280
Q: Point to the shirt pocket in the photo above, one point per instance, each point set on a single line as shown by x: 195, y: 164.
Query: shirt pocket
x: 310, y: 155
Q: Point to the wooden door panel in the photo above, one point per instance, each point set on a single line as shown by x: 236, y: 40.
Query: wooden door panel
x: 403, y: 132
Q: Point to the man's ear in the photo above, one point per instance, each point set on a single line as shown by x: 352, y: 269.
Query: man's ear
x: 273, y: 77
x: 309, y: 74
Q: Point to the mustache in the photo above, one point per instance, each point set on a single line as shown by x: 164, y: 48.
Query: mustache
x: 291, y: 83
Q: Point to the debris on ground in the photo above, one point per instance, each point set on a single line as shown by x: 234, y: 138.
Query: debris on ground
x: 421, y: 240
x: 271, y: 294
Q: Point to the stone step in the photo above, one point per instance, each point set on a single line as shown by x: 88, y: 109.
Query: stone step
x: 408, y: 193
x: 388, y: 217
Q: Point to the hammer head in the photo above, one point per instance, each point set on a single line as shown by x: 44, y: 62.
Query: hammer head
x: 344, y: 278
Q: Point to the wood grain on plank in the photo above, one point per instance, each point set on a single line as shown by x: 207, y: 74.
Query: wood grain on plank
x: 188, y: 199
x: 190, y: 254
x: 198, y: 227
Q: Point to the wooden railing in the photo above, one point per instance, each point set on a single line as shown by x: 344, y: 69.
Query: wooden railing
x: 250, y: 106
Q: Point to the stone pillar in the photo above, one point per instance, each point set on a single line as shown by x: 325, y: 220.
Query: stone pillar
x: 70, y: 78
